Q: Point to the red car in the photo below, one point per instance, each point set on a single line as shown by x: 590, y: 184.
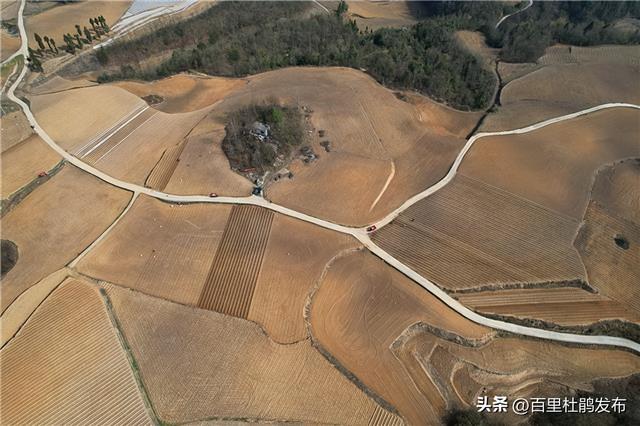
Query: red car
x: 371, y: 228
x: 213, y: 195
x: 42, y: 174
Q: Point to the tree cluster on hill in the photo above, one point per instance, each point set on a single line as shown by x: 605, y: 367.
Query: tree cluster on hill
x: 242, y: 38
x: 524, y: 36
x: 250, y: 146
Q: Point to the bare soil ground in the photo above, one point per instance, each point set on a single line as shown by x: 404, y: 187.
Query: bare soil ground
x: 55, y: 223
x: 9, y: 9
x: 281, y: 292
x: 59, y: 84
x: 555, y: 90
x: 59, y: 20
x: 563, y: 54
x: 14, y: 129
x: 232, y: 278
x: 204, y: 168
x: 160, y: 249
x: 470, y: 234
x: 67, y: 366
x: 475, y: 43
x: 22, y: 163
x: 378, y: 14
x: 74, y: 117
x: 611, y: 268
x: 361, y: 307
x: 617, y: 190
x: 22, y: 308
x: 232, y: 369
x: 9, y: 43
x: 507, y: 366
x: 554, y: 166
x: 183, y: 92
x: 564, y: 306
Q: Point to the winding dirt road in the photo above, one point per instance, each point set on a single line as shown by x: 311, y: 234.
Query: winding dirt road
x: 358, y: 233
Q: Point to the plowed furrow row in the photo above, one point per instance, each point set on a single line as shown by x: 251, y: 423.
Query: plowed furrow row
x: 231, y: 281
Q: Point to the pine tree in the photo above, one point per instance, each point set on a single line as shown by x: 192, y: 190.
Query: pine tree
x: 79, y: 30
x: 87, y: 34
x: 53, y: 42
x: 93, y: 24
x: 39, y: 41
x: 79, y: 41
x: 46, y: 40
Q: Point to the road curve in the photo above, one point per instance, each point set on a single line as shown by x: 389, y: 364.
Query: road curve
x: 358, y: 233
x: 514, y: 13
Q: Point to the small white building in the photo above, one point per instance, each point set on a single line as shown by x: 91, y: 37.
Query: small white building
x: 260, y: 130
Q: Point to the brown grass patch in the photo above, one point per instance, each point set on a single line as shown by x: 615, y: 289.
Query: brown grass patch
x: 9, y: 43
x: 379, y: 14
x: 55, y: 223
x: 14, y: 128
x: 66, y: 366
x: 231, y: 369
x: 617, y: 190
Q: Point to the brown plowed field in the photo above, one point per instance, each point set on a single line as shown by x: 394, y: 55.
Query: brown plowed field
x: 470, y: 234
x: 22, y: 163
x: 554, y: 166
x: 137, y: 154
x: 59, y: 20
x: 305, y: 249
x: 72, y: 118
x: 67, y: 366
x: 369, y: 129
x: 55, y: 223
x: 360, y: 308
x: 185, y: 93
x: 379, y: 14
x: 160, y: 249
x: 556, y: 90
x: 564, y: 306
x: 94, y: 152
x: 204, y: 168
x: 162, y: 172
x: 59, y: 84
x: 198, y: 364
x: 617, y: 190
x: 8, y: 44
x: 234, y: 272
x: 14, y: 129
x: 562, y: 54
x: 510, y: 366
x: 613, y: 270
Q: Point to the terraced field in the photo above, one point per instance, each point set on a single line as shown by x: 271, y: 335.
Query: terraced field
x: 470, y: 234
x: 232, y: 278
x: 564, y: 306
x: 162, y: 172
x: 229, y: 359
x: 67, y: 366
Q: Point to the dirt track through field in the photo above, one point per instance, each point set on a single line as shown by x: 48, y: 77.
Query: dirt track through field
x: 234, y: 272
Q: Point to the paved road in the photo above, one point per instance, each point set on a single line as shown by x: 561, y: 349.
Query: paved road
x: 358, y: 233
x: 514, y: 13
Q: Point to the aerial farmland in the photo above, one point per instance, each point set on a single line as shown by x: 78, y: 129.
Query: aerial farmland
x: 319, y: 212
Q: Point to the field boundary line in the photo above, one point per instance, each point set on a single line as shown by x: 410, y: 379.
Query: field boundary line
x: 359, y: 233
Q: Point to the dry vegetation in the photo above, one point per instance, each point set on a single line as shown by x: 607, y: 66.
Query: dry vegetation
x: 67, y: 366
x: 232, y: 369
x: 14, y: 129
x: 9, y: 44
x: 59, y: 20
x: 55, y: 223
x: 160, y: 249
